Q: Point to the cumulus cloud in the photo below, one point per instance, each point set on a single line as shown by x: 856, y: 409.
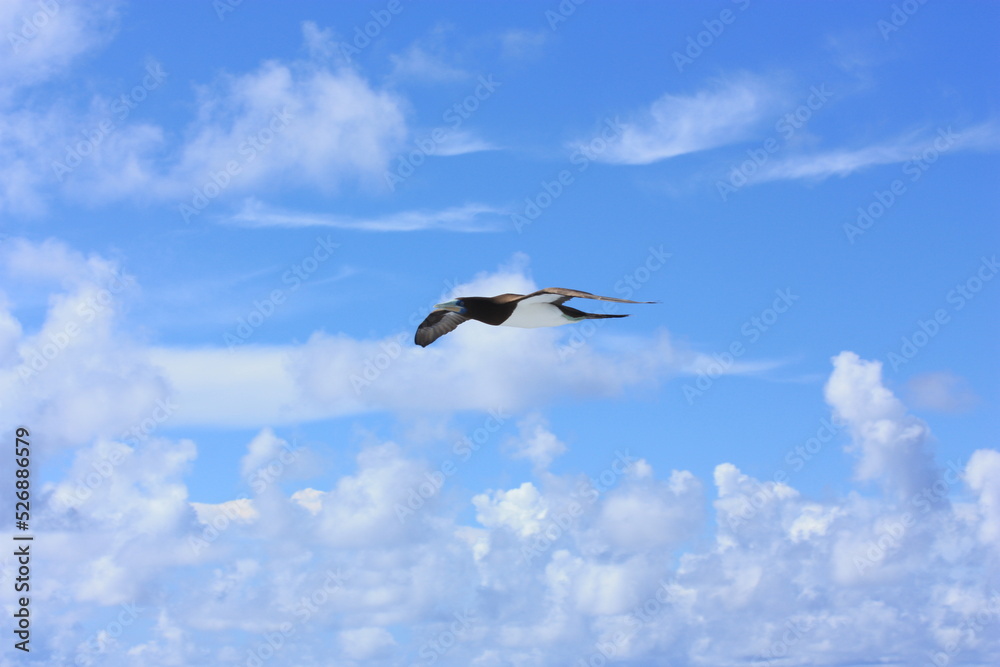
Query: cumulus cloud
x: 535, y: 442
x: 983, y: 476
x: 304, y: 122
x: 558, y: 568
x: 519, y: 510
x: 77, y: 376
x: 892, y: 445
x: 119, y: 511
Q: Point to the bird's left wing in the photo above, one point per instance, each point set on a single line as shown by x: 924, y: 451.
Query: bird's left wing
x: 437, y: 324
x: 560, y: 295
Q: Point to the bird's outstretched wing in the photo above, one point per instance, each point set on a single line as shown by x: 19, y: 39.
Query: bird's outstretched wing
x: 437, y: 324
x: 560, y: 295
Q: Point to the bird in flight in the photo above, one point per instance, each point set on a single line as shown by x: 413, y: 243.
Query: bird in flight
x: 543, y: 308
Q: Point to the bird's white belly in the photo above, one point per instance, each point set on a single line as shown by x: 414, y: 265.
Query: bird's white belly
x: 534, y: 315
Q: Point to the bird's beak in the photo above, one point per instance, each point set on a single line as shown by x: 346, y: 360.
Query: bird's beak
x: 449, y: 305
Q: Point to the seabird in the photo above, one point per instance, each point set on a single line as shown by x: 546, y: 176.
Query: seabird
x: 543, y: 308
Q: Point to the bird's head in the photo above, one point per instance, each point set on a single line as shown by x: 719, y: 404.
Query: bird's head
x: 455, y: 306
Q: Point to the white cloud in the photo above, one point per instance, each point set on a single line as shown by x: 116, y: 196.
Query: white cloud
x: 941, y: 391
x: 366, y: 643
x: 982, y: 474
x: 312, y: 123
x: 535, y: 442
x: 678, y: 124
x: 520, y: 510
x: 26, y: 152
x: 892, y: 445
x: 270, y: 459
x: 648, y: 515
x: 522, y: 44
x: 420, y: 64
x: 118, y: 503
x: 78, y: 376
x: 460, y: 142
x: 41, y: 42
x: 307, y: 124
x: 223, y: 387
x: 633, y: 571
x: 924, y: 147
x: 43, y: 38
x: 466, y: 218
x: 262, y: 450
x: 241, y: 509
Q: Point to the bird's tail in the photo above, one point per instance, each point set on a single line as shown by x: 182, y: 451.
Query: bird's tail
x: 574, y: 314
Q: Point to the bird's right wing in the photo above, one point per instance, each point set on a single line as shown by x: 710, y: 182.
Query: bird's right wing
x: 437, y: 324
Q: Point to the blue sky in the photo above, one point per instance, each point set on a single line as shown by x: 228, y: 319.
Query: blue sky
x: 222, y: 222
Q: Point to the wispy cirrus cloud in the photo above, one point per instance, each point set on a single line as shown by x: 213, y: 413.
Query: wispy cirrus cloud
x: 420, y: 64
x: 460, y: 142
x: 918, y: 146
x: 464, y: 218
x: 674, y: 125
x: 42, y: 39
